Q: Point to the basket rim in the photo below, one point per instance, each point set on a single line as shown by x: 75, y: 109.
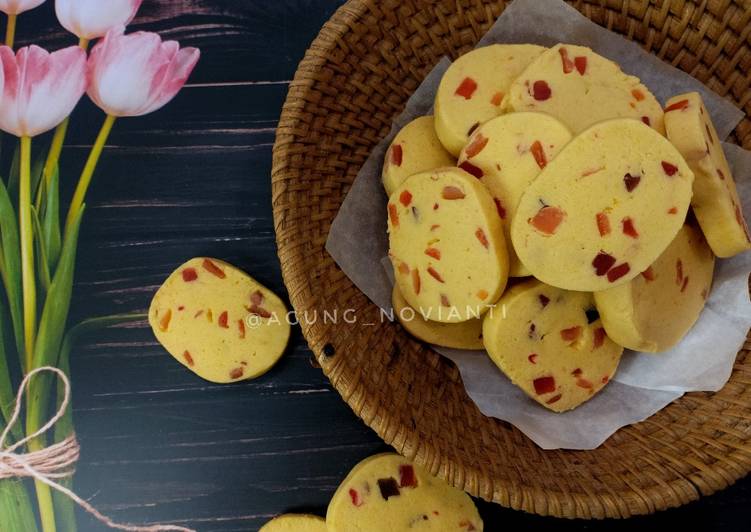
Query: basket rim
x: 528, y: 498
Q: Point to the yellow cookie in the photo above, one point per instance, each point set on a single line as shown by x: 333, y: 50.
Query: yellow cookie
x: 657, y: 308
x: 295, y: 523
x: 551, y: 344
x: 604, y: 209
x: 462, y: 335
x: 218, y: 321
x: 446, y: 244
x: 387, y: 492
x: 715, y: 202
x: 472, y: 89
x: 581, y: 88
x: 506, y: 154
x: 415, y: 148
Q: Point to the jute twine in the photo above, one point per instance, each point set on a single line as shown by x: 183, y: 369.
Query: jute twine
x: 56, y: 461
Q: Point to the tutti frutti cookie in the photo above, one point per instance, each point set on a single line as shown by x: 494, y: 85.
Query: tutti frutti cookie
x: 715, y: 201
x: 461, y: 335
x: 604, y: 209
x: 218, y: 321
x: 507, y: 153
x: 415, y: 149
x: 295, y: 523
x: 551, y: 344
x: 655, y: 310
x: 388, y: 492
x: 473, y: 88
x: 446, y: 245
x: 581, y: 88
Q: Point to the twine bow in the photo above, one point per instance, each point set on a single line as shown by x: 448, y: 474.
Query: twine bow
x: 56, y: 461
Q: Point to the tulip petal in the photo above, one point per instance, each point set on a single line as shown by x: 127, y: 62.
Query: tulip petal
x: 15, y: 7
x: 90, y: 19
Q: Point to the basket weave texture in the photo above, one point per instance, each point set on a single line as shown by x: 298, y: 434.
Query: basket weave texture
x: 353, y: 81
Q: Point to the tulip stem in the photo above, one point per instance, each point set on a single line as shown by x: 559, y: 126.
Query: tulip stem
x: 10, y: 32
x: 88, y: 172
x: 27, y: 251
x: 83, y: 43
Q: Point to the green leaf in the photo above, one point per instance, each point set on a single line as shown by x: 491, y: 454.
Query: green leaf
x: 51, y: 221
x: 36, y: 172
x: 43, y: 270
x: 11, y: 271
x: 7, y: 392
x: 14, y: 175
x: 16, y: 512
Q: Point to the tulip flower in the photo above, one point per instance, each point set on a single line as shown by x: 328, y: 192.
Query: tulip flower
x: 130, y: 75
x: 16, y: 7
x: 89, y: 19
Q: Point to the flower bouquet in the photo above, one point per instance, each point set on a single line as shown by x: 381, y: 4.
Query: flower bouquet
x: 126, y: 76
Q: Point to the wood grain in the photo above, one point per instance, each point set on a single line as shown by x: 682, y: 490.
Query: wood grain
x: 159, y: 444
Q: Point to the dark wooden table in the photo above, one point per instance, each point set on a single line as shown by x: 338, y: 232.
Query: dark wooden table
x: 160, y: 444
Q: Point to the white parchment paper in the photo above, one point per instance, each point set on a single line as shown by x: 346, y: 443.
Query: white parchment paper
x: 645, y: 383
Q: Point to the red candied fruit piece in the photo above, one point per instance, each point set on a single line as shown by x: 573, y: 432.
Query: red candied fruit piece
x: 679, y: 105
x: 497, y: 98
x: 482, y: 294
x: 599, y: 338
x: 603, y: 223
x: 628, y: 228
x: 190, y: 274
x: 445, y: 301
x: 213, y: 269
x: 548, y: 219
x: 631, y: 181
x: 544, y: 385
x: 236, y: 373
x: 403, y: 268
x: 584, y: 383
x: 499, y: 208
x: 577, y: 372
x: 544, y: 300
x: 355, y: 497
x: 471, y: 169
x: 648, y: 274
x: 241, y: 328
x: 416, y: 280
x: 478, y: 144
x: 571, y: 334
x: 619, y: 271
x: 638, y: 95
x: 581, y: 64
x: 466, y: 88
x: 678, y: 272
x: 568, y: 64
x: 164, y: 322
x: 434, y: 274
x: 646, y: 120
x: 669, y: 168
x: 480, y: 234
x: 541, y: 90
x: 673, y: 210
x: 685, y: 284
x: 532, y: 358
x: 256, y: 297
x: 434, y: 227
x: 393, y: 215
x: 189, y: 359
x: 452, y: 193
x: 397, y: 154
x: 223, y: 320
x: 407, y: 477
x: 605, y: 379
x: 405, y: 198
x: 539, y: 154
x: 602, y: 263
x: 554, y: 399
x: 433, y: 252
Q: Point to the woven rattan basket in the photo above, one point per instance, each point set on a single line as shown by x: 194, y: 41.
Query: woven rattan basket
x: 354, y: 80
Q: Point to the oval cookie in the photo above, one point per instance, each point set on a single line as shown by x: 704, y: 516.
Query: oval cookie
x: 472, y: 89
x: 388, y: 492
x: 218, y: 321
x: 506, y: 154
x: 604, y: 209
x: 295, y: 523
x: 446, y: 245
x: 415, y: 148
x: 581, y: 88
x: 462, y: 335
x: 551, y: 344
x: 656, y: 309
x: 715, y: 202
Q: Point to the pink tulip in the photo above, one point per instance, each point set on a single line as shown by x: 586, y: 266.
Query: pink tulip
x: 15, y: 7
x: 41, y: 88
x: 89, y: 19
x: 136, y: 74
